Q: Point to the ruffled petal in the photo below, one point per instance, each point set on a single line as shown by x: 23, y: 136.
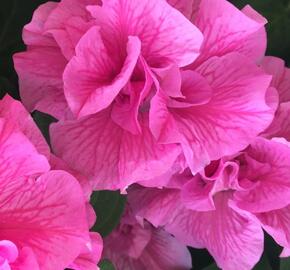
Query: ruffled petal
x: 47, y: 215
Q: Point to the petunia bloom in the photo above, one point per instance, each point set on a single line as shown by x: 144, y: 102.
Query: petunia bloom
x: 133, y: 245
x: 225, y: 207
x: 136, y: 84
x: 43, y: 221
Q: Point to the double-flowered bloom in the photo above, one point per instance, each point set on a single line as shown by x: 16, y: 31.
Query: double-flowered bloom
x: 176, y: 96
x: 136, y: 83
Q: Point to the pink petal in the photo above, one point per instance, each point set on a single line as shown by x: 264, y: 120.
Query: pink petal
x: 226, y: 29
x: 109, y: 156
x: 171, y: 253
x: 18, y: 157
x: 40, y: 77
x: 26, y: 260
x: 101, y: 77
x: 68, y: 22
x: 47, y: 215
x: 233, y: 238
x: 196, y: 195
x: 280, y: 127
x: 285, y: 253
x: 8, y: 251
x: 126, y: 108
x: 164, y: 32
x: 277, y: 224
x: 34, y: 32
x: 155, y: 205
x: 91, y: 254
x: 268, y: 165
x: 220, y: 127
x: 134, y: 246
x: 184, y: 6
x: 281, y: 76
x: 15, y: 113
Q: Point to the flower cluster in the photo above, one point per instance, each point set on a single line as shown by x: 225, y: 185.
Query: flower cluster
x: 172, y: 102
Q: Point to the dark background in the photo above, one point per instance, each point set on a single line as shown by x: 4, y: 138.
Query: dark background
x: 14, y: 14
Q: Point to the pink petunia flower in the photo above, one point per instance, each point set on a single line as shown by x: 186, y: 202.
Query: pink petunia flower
x: 225, y: 208
x: 134, y: 246
x: 43, y: 221
x: 134, y: 84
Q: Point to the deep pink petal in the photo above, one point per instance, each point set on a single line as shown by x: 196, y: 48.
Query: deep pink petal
x: 109, y: 156
x: 164, y: 32
x: 40, y: 77
x: 233, y: 238
x: 101, y: 77
x: 47, y: 215
x: 18, y: 156
x: 26, y: 260
x: 268, y: 166
x: 227, y: 29
x: 16, y: 114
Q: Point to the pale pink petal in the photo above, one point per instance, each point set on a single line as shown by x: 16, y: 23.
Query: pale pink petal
x: 109, y: 156
x: 102, y: 77
x: 227, y: 29
x: 268, y: 166
x: 285, y: 253
x: 233, y: 238
x: 235, y: 114
x: 281, y: 76
x: 8, y: 251
x: 164, y: 32
x: 46, y: 215
x: 134, y: 246
x: 16, y: 114
x: 196, y: 195
x: 90, y: 255
x: 18, y: 157
x: 155, y: 205
x: 171, y: 253
x: 162, y: 252
x: 277, y: 224
x: 40, y: 77
x: 280, y: 127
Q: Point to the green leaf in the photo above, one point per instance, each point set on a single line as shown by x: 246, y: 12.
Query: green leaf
x: 109, y: 206
x: 43, y: 122
x: 285, y: 264
x: 263, y: 264
x: 106, y: 265
x: 212, y: 267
